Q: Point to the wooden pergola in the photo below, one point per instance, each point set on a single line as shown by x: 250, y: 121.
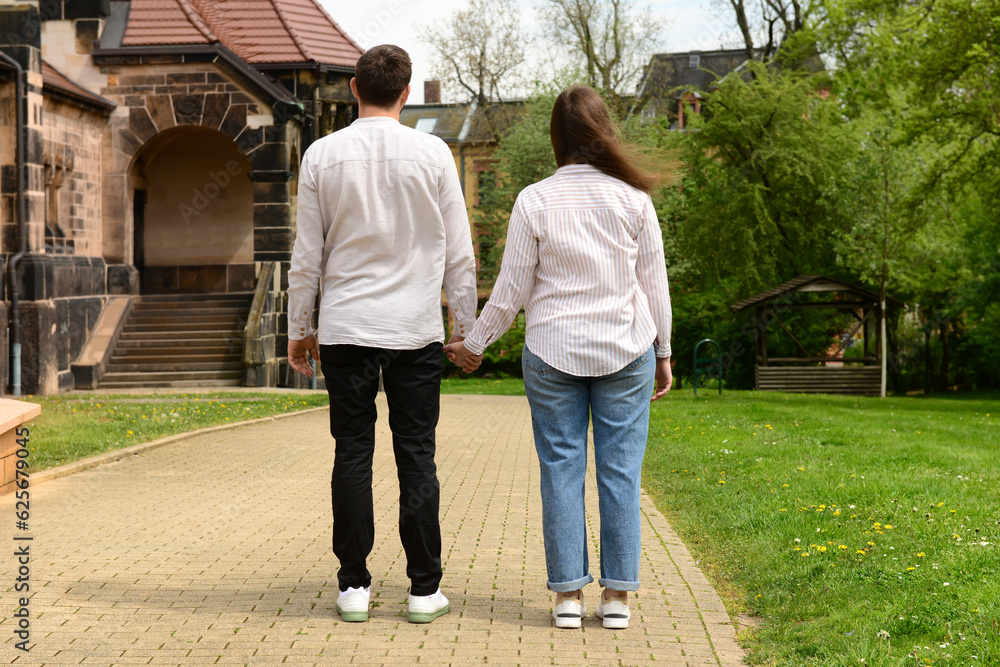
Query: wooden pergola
x: 830, y: 373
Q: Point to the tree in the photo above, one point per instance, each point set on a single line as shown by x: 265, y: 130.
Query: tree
x: 612, y: 41
x: 479, y: 54
x: 761, y: 159
x: 778, y: 29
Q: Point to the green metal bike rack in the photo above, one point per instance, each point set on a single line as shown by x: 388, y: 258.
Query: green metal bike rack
x: 708, y: 366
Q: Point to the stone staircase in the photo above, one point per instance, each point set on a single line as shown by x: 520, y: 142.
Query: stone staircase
x: 181, y: 340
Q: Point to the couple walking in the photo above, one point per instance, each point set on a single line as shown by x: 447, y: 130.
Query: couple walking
x: 382, y: 226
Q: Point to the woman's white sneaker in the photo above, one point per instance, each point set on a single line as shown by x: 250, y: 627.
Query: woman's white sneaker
x: 425, y: 608
x: 569, y: 613
x: 352, y: 604
x: 614, y: 613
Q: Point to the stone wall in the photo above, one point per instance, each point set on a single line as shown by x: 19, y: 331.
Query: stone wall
x: 74, y: 174
x: 157, y: 97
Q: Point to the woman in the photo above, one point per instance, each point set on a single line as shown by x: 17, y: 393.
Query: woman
x: 584, y: 254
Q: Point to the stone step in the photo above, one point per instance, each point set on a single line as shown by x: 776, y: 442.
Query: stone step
x: 201, y: 298
x: 140, y: 357
x: 181, y: 330
x: 144, y: 312
x: 202, y: 320
x: 144, y: 349
x: 145, y: 379
x: 169, y: 384
x: 177, y: 366
x: 181, y: 337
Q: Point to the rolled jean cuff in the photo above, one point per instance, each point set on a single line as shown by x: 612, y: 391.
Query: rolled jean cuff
x: 570, y: 586
x: 616, y: 585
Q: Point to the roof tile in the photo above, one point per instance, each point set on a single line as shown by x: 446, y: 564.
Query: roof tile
x: 258, y: 31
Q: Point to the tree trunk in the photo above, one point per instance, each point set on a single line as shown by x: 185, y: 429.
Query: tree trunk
x: 928, y: 362
x: 945, y: 329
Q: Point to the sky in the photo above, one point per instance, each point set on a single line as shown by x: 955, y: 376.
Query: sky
x: 688, y: 25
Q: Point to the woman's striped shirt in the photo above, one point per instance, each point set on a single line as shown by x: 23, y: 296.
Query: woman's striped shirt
x: 584, y: 255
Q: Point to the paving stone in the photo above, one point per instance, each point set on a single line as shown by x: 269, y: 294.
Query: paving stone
x: 216, y: 549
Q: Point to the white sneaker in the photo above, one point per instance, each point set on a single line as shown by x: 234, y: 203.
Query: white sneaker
x: 569, y: 613
x: 352, y: 604
x: 614, y: 613
x: 425, y: 608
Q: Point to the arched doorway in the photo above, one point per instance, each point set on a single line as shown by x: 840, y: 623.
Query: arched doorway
x: 193, y: 213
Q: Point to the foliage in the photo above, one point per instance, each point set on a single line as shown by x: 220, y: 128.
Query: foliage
x: 833, y: 519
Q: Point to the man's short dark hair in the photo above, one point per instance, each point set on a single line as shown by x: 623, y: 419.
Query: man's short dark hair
x: 382, y: 74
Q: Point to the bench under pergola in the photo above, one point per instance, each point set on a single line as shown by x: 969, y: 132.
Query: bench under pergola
x: 829, y: 373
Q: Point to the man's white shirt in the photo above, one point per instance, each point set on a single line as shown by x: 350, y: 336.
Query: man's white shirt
x: 382, y: 224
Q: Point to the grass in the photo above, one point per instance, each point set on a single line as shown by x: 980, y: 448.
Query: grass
x: 71, y: 428
x: 479, y: 385
x: 859, y: 531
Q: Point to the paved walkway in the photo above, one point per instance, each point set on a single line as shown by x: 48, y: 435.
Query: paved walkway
x: 216, y: 550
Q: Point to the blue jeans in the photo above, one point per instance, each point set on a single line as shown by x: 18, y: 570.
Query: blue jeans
x: 561, y: 406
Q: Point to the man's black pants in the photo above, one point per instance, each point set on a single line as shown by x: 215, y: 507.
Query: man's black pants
x: 412, y: 383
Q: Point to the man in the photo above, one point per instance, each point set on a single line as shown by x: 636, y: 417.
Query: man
x: 382, y: 225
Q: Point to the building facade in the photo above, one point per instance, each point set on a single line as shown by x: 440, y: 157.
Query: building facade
x: 160, y: 142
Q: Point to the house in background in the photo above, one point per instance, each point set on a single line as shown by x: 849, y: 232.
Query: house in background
x: 468, y: 130
x: 160, y: 143
x: 673, y: 80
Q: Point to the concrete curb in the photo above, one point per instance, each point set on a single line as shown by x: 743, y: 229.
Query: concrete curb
x: 118, y: 454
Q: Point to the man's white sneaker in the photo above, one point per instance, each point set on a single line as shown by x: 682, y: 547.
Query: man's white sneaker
x: 614, y: 613
x: 352, y: 604
x: 425, y: 608
x: 569, y: 613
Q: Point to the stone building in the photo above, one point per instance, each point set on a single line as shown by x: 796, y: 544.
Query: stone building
x: 158, y: 164
x: 673, y: 81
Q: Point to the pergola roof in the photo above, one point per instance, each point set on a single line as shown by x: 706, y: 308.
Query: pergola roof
x: 808, y: 283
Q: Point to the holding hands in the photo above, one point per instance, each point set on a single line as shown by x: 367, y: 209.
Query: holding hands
x: 457, y: 354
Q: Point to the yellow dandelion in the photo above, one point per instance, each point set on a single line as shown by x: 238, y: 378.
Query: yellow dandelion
x: 785, y: 486
x: 843, y: 547
x: 722, y: 481
x: 871, y: 544
x: 805, y: 554
x: 860, y: 551
x: 836, y: 513
x: 910, y: 569
x: 921, y: 554
x: 888, y: 526
x: 782, y: 510
x: 940, y: 504
x: 801, y: 468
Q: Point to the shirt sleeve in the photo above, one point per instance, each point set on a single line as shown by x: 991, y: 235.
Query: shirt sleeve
x: 460, y: 260
x: 651, y: 270
x: 513, y: 286
x: 307, y: 256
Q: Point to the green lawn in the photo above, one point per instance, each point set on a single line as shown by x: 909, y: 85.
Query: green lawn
x: 72, y: 428
x: 858, y: 531
x: 479, y: 385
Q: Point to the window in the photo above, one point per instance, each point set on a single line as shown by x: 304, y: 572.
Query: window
x: 427, y: 124
x: 694, y: 62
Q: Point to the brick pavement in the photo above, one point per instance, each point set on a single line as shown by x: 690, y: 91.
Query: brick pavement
x: 216, y: 550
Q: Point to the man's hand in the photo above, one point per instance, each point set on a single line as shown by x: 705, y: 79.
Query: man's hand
x: 664, y: 378
x: 456, y: 352
x: 299, y: 352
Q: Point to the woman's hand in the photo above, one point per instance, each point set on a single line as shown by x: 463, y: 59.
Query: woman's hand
x: 457, y: 353
x: 664, y: 378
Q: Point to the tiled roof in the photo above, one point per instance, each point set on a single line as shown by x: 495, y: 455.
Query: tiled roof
x: 165, y: 22
x: 258, y: 31
x: 53, y: 79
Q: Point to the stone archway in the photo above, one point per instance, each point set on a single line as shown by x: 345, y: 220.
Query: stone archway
x: 193, y: 213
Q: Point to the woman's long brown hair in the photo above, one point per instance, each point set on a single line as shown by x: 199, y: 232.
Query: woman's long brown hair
x: 583, y: 133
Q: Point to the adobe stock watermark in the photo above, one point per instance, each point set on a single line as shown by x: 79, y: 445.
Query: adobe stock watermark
x: 203, y: 196
x: 379, y: 19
